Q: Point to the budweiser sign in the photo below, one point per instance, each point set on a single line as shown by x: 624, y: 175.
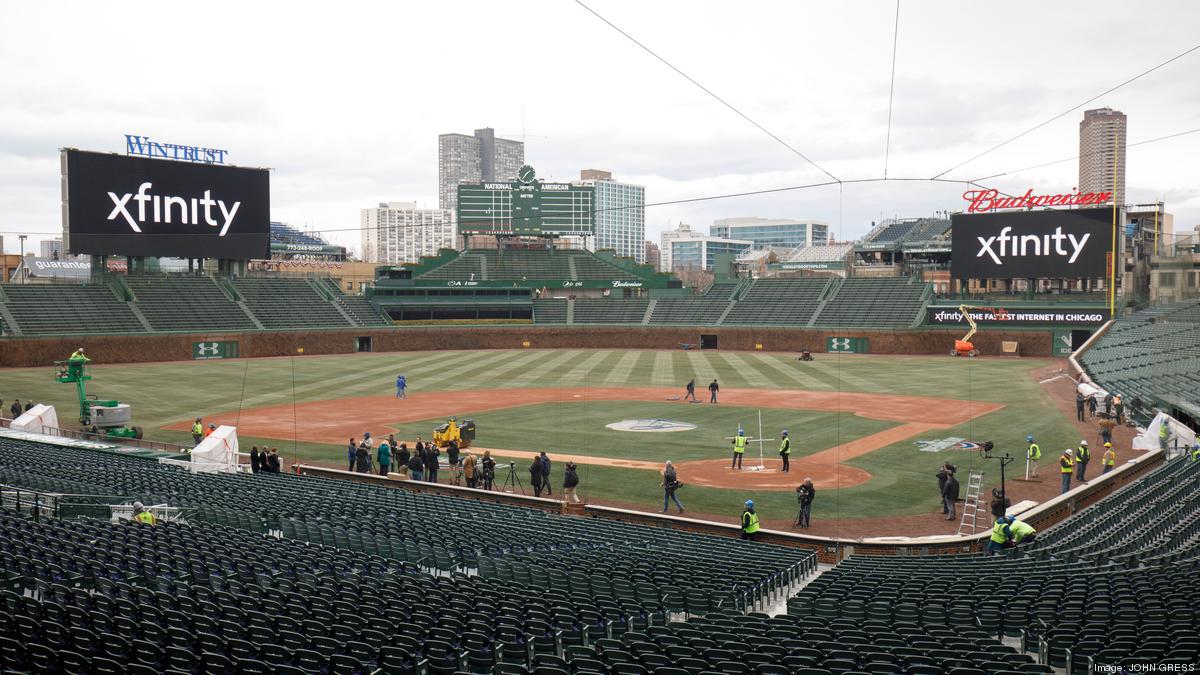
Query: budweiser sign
x: 990, y: 200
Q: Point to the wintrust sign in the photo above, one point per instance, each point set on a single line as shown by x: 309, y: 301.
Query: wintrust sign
x: 162, y: 208
x: 991, y: 200
x: 1030, y: 244
x: 132, y: 206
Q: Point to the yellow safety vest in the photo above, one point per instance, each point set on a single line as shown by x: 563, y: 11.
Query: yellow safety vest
x: 999, y: 535
x: 1020, y: 530
x: 197, y: 428
x: 77, y: 355
x: 1110, y: 458
x: 145, y: 517
x: 785, y: 448
x: 1066, y: 464
x: 749, y: 524
x: 1083, y: 453
x: 1196, y: 455
x: 739, y: 444
x: 1035, y: 452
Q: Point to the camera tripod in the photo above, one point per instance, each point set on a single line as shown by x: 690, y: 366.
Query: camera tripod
x: 512, y: 482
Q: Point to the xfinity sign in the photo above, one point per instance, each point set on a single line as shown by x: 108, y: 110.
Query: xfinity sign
x: 1031, y: 244
x: 131, y: 206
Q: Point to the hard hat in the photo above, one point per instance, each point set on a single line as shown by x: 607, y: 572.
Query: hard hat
x: 197, y: 419
x: 1108, y: 445
x: 212, y: 426
x: 785, y: 432
x: 749, y: 503
x: 1068, y: 451
x: 137, y: 506
x: 1083, y: 442
x: 741, y: 432
x: 1029, y: 438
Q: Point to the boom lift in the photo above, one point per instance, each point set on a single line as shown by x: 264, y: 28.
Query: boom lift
x: 108, y: 418
x: 964, y: 347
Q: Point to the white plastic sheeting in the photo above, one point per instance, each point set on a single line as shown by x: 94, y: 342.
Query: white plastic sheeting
x: 40, y: 419
x: 1178, y: 435
x: 218, y: 453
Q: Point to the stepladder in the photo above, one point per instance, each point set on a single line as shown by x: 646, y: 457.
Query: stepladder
x: 970, y: 514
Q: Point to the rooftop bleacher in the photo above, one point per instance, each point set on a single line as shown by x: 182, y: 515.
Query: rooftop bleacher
x: 1153, y: 354
x: 875, y: 303
x: 830, y: 253
x: 282, y: 233
x: 186, y: 303
x: 63, y: 309
x: 524, y: 264
x: 289, y: 303
x: 778, y: 302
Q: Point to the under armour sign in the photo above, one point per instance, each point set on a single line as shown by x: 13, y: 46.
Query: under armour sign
x: 133, y: 206
x: 1031, y: 244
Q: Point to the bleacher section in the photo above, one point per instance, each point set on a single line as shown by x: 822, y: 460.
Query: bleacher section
x: 1153, y: 354
x: 778, y: 302
x: 186, y: 303
x: 522, y: 264
x: 58, y: 309
x: 721, y: 290
x: 549, y: 311
x: 701, y: 311
x: 894, y: 233
x: 883, y: 303
x: 1111, y: 586
x: 358, y: 307
x: 831, y: 253
x: 610, y: 310
x: 289, y: 303
x: 285, y: 574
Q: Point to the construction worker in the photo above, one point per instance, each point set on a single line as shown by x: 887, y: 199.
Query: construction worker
x: 1022, y: 532
x: 211, y: 429
x: 1032, y: 456
x: 78, y: 355
x: 1164, y: 434
x: 739, y: 449
x: 749, y: 521
x: 75, y: 363
x: 197, y: 432
x: 1109, y: 460
x: 1196, y: 452
x: 785, y: 450
x: 1001, y: 534
x: 1066, y: 465
x: 143, y: 516
x: 1083, y: 455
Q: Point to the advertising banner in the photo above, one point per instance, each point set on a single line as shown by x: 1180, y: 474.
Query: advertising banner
x: 1023, y: 316
x: 846, y: 345
x: 133, y: 206
x: 1031, y: 244
x: 203, y: 351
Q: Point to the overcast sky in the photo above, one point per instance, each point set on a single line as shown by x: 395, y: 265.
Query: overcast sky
x: 345, y: 100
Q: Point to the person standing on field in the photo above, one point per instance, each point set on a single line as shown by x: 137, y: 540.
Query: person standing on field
x: 570, y: 482
x: 1109, y: 460
x: 691, y: 390
x: 739, y: 449
x: 670, y: 483
x: 713, y: 388
x: 785, y: 450
x: 750, y: 524
x: 804, y: 494
x: 950, y: 496
x: 197, y: 432
x: 401, y: 387
x: 351, y: 453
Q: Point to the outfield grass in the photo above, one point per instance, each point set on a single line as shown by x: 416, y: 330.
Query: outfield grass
x: 168, y: 392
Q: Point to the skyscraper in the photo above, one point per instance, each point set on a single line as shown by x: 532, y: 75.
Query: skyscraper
x: 1099, y: 131
x: 475, y: 159
x: 52, y: 248
x: 620, y: 214
x: 777, y: 232
x: 399, y: 232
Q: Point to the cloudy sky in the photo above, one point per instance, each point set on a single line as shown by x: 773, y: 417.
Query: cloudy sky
x: 345, y: 100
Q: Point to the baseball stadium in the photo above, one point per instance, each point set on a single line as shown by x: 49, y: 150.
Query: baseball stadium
x: 962, y: 444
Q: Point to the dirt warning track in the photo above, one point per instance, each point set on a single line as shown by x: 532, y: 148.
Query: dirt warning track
x: 335, y: 421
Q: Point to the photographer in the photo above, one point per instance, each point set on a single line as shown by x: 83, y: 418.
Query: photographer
x: 489, y: 469
x: 804, y: 495
x: 670, y: 483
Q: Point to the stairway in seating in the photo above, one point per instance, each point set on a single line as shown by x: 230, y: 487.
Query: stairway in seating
x: 649, y: 311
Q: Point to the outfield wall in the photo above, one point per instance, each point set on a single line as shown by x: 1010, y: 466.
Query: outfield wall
x: 135, y: 348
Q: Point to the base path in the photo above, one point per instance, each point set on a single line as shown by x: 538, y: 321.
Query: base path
x: 334, y: 422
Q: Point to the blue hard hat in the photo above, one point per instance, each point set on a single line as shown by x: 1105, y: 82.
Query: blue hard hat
x: 741, y: 432
x: 1029, y: 438
x: 785, y: 432
x: 749, y: 503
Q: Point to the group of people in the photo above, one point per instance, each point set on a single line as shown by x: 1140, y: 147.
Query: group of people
x: 15, y: 409
x: 948, y: 489
x: 539, y: 478
x: 690, y: 391
x: 199, y: 433
x: 740, y: 441
x: 265, y: 460
x: 422, y: 462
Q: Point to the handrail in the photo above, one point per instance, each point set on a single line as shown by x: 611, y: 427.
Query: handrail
x: 160, y: 446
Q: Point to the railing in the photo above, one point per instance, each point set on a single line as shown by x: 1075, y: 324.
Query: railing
x: 160, y: 446
x: 38, y: 504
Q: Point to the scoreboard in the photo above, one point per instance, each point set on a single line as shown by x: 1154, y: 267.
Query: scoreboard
x: 526, y: 207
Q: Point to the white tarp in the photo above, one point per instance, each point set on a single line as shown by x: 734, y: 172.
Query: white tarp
x: 40, y: 419
x: 1092, y: 390
x: 217, y: 453
x: 1178, y: 435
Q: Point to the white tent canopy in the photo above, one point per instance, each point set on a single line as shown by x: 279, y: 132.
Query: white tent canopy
x: 40, y: 419
x: 218, y: 453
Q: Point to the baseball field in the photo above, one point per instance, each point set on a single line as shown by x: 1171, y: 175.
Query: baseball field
x: 870, y: 430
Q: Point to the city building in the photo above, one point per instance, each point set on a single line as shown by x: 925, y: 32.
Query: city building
x: 699, y: 251
x: 652, y: 254
x: 664, y: 250
x: 51, y: 249
x: 475, y: 159
x: 620, y: 214
x: 1101, y: 140
x: 399, y: 232
x: 775, y: 232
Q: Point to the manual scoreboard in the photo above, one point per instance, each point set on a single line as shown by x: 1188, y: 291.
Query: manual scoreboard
x: 526, y: 207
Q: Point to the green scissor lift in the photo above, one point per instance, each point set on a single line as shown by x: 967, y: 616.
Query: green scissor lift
x: 109, y: 418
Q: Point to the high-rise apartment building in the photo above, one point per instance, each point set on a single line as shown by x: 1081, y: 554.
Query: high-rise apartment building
x: 475, y: 159
x: 652, y: 254
x: 51, y: 248
x: 620, y: 214
x: 776, y: 232
x: 682, y: 230
x: 399, y: 232
x: 1101, y: 144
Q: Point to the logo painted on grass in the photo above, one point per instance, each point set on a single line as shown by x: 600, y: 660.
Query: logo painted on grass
x: 946, y: 444
x: 650, y: 426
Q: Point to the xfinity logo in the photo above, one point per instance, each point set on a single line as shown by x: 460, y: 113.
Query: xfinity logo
x: 1007, y: 245
x: 161, y: 207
